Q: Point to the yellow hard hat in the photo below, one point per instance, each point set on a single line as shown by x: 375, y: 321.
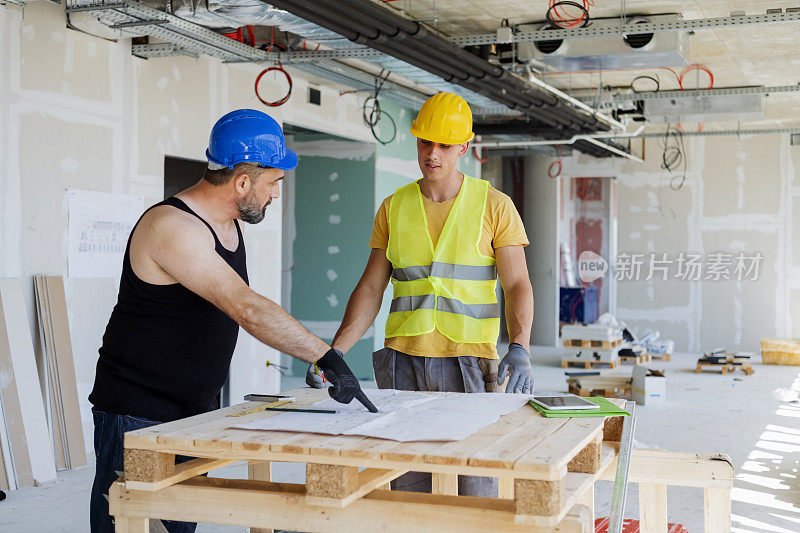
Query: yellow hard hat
x: 445, y: 118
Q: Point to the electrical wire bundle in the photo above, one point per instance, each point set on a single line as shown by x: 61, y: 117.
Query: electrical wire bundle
x: 558, y: 16
x: 372, y: 113
x: 279, y: 68
x: 555, y: 168
x: 673, y: 157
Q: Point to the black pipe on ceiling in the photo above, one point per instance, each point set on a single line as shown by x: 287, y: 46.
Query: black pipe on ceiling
x: 328, y: 17
x: 368, y: 23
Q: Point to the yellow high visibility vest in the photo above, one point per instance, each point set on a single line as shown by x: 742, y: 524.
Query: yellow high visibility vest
x: 450, y: 288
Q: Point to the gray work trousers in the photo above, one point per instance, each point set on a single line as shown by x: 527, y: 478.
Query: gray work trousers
x: 396, y: 370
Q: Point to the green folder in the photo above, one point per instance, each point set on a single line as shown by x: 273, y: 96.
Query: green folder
x: 606, y: 409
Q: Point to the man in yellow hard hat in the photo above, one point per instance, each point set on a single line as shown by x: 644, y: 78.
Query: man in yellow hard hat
x: 443, y: 241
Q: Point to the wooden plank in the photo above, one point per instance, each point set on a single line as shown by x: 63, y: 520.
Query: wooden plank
x: 676, y: 468
x: 368, y: 481
x: 148, y: 466
x: 653, y: 508
x: 16, y: 349
x: 260, y: 471
x: 505, y: 488
x: 560, y: 447
x: 510, y: 449
x: 717, y: 509
x: 182, y: 471
x: 283, y: 506
x: 444, y: 484
x: 10, y: 395
x: 66, y: 371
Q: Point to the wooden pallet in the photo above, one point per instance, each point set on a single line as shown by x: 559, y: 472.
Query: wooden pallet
x: 546, y: 466
x: 636, y: 359
x: 588, y: 363
x: 598, y: 345
x: 606, y: 392
x: 658, y: 355
x: 725, y: 367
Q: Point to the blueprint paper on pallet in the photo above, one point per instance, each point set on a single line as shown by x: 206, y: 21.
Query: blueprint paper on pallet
x: 402, y: 416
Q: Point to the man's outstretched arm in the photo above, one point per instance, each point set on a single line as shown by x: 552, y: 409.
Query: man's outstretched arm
x: 365, y: 301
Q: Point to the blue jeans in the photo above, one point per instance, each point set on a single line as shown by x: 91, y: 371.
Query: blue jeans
x: 109, y: 430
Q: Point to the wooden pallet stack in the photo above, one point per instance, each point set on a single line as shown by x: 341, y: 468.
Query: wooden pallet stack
x: 591, y: 346
x: 723, y: 362
x: 606, y: 385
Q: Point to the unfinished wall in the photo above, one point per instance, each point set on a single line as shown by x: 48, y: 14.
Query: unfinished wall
x: 740, y: 196
x: 78, y: 112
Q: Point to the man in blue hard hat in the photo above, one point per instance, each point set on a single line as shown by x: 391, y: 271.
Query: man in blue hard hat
x: 183, y: 295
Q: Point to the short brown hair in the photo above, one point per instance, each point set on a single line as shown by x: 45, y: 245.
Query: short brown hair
x: 225, y: 174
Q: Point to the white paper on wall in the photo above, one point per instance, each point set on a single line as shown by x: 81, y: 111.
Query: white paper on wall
x: 99, y: 226
x: 403, y: 415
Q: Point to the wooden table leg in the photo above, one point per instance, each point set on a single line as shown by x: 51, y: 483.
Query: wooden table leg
x: 717, y: 510
x: 260, y: 471
x: 653, y: 508
x: 587, y: 500
x: 124, y: 524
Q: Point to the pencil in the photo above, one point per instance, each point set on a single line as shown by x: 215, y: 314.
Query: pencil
x: 288, y: 409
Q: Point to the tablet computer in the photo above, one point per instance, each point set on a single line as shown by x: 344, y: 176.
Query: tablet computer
x: 566, y: 402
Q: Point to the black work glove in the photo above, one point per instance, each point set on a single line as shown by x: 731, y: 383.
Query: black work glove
x: 345, y: 384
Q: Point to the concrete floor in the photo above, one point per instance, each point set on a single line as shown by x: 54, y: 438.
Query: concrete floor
x: 735, y: 414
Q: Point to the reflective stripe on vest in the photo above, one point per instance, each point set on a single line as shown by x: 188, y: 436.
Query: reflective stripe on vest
x: 448, y: 305
x: 446, y: 270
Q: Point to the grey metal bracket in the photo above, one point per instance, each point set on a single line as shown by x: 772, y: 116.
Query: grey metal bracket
x: 647, y: 27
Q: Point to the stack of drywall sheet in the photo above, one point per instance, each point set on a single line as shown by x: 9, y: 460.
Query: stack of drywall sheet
x: 28, y: 457
x: 62, y: 390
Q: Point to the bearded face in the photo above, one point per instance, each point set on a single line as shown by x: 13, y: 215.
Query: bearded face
x: 250, y: 209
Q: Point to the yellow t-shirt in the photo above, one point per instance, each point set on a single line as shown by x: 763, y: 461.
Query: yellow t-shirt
x: 502, y: 226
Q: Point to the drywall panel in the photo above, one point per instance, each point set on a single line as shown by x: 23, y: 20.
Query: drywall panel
x: 57, y: 60
x: 173, y: 116
x: 22, y: 370
x: 795, y: 220
x: 742, y: 176
x: 792, y: 166
x: 78, y: 155
x: 794, y: 312
x: 656, y: 217
x: 737, y: 314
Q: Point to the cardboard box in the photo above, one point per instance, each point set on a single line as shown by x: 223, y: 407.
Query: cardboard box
x: 649, y: 386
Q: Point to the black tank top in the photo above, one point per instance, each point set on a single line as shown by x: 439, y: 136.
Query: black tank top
x: 166, y: 351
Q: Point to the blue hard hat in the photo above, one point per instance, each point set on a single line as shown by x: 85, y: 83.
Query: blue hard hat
x: 249, y: 136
